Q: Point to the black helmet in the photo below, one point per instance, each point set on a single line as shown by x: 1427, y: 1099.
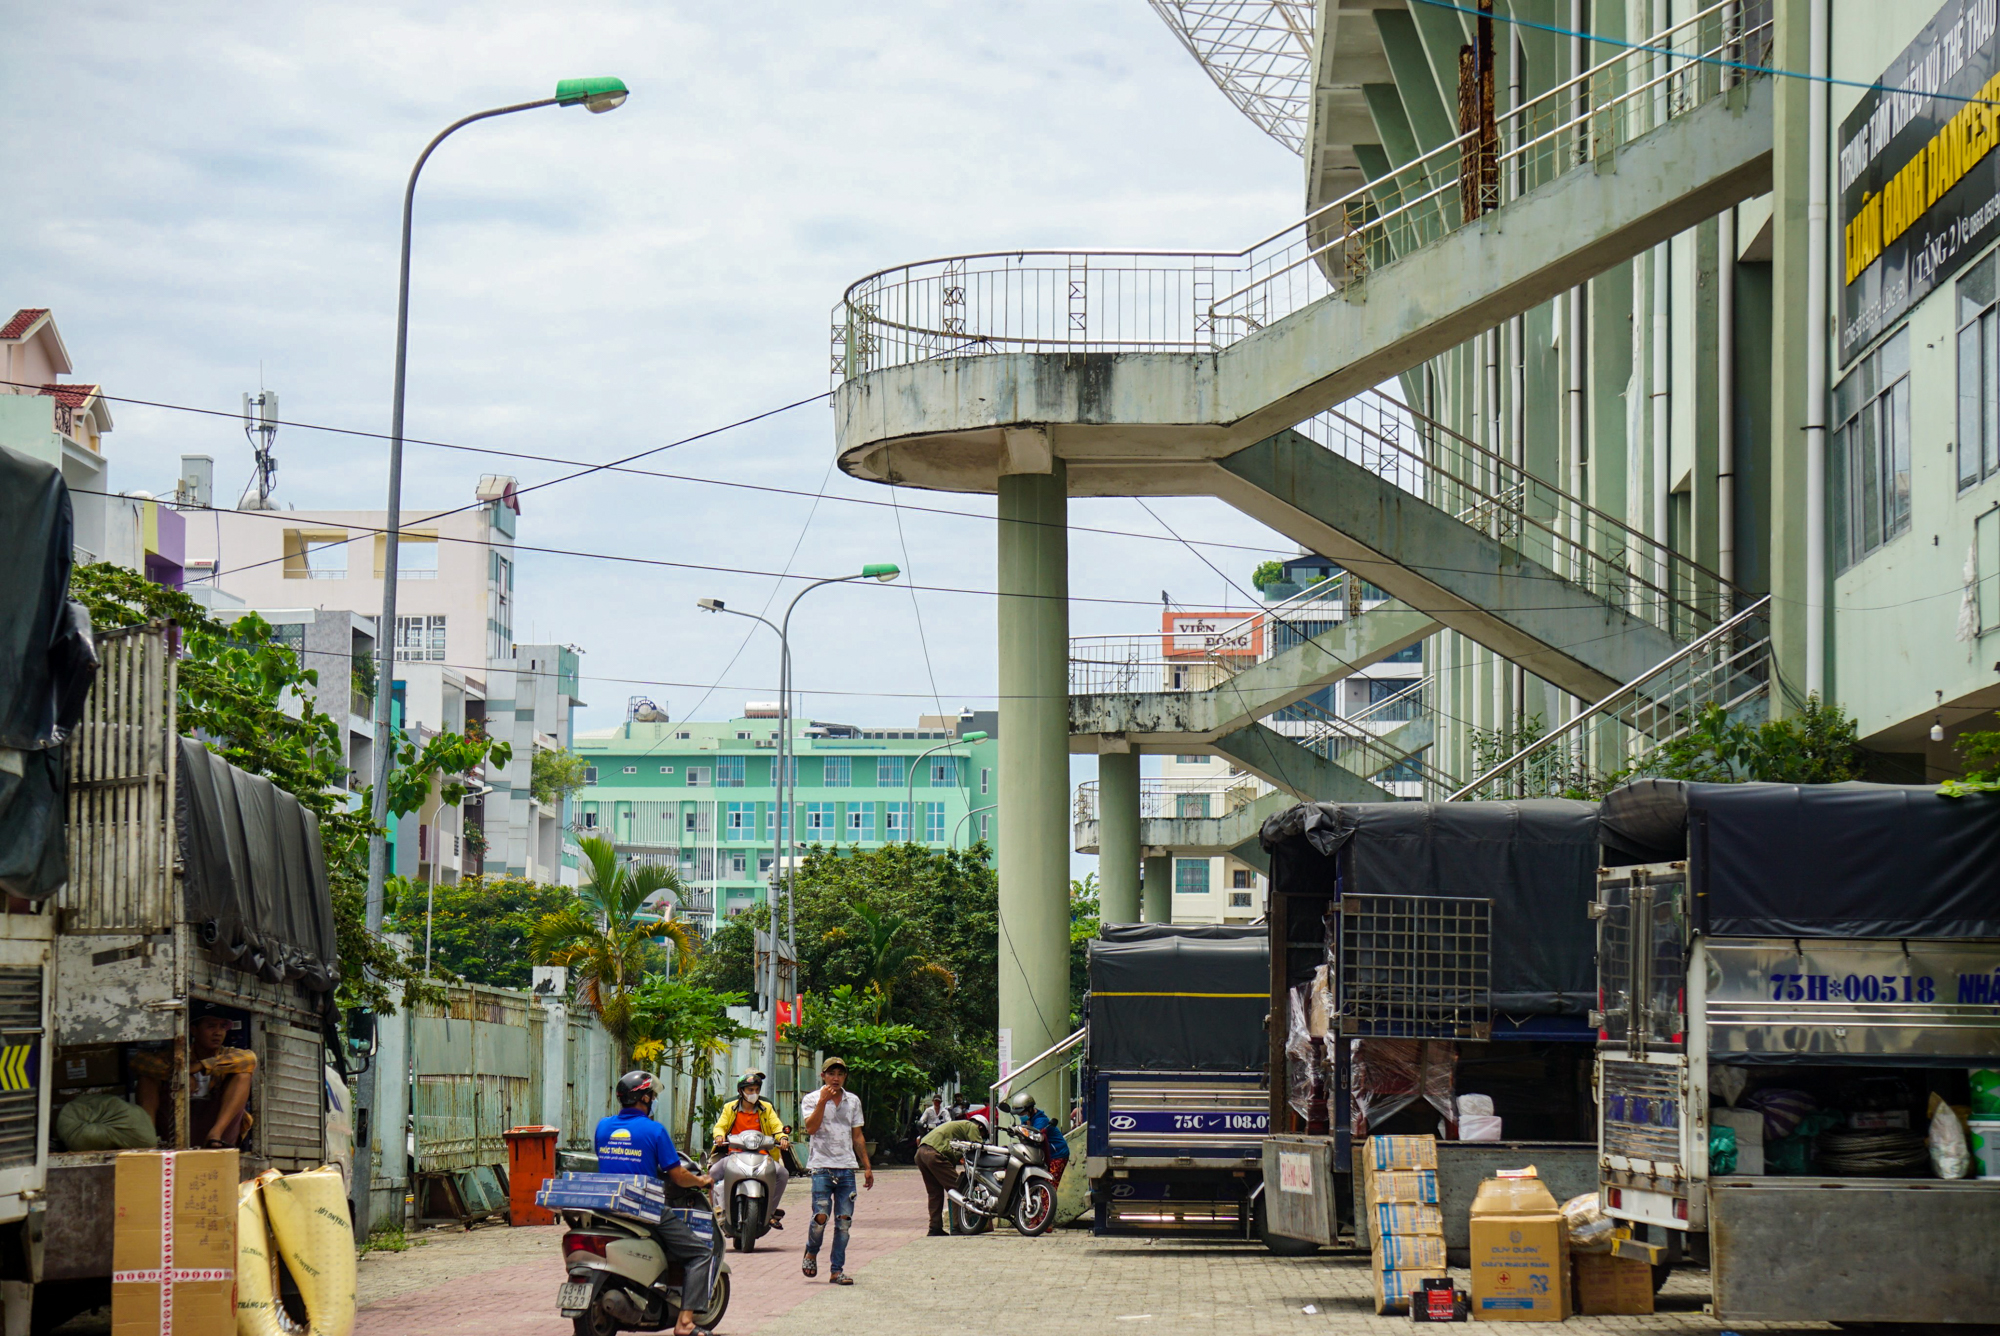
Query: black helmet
x: 635, y: 1086
x: 750, y: 1079
x: 1021, y: 1104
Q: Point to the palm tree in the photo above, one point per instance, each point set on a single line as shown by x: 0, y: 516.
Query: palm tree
x: 888, y: 956
x: 606, y: 935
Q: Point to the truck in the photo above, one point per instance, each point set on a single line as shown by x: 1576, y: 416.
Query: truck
x: 1173, y: 1075
x: 145, y: 878
x: 1420, y: 952
x: 1797, y: 983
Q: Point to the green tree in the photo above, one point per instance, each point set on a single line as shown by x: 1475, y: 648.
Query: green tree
x: 880, y: 1057
x: 605, y: 935
x: 1818, y: 745
x: 1980, y: 752
x: 246, y: 696
x: 480, y: 926
x: 1083, y: 925
x: 688, y: 1027
x: 948, y: 906
x: 1268, y: 573
x: 447, y: 759
x: 555, y: 776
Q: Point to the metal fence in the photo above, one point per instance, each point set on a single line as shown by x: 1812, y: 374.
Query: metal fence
x: 122, y: 771
x: 1177, y: 799
x: 1415, y: 967
x: 477, y: 1072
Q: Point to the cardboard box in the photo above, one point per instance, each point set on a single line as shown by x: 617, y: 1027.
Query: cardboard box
x: 1608, y: 1286
x: 1513, y: 1196
x: 1408, y: 1217
x: 173, y: 1243
x: 92, y: 1065
x: 1393, y: 1288
x: 1409, y: 1252
x: 1402, y: 1153
x: 1520, y: 1253
x: 1403, y: 1185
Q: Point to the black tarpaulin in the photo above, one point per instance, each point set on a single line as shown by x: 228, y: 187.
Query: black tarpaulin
x: 1535, y: 860
x: 255, y: 873
x: 46, y: 665
x: 1644, y: 821
x: 1831, y: 860
x: 1164, y: 1000
x: 1153, y: 932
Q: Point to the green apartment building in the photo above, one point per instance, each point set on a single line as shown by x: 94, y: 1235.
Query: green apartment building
x: 700, y: 797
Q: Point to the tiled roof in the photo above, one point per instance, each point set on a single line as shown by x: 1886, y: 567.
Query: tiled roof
x: 23, y: 320
x: 71, y: 396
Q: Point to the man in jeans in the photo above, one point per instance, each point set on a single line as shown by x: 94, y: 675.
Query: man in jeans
x: 833, y: 1130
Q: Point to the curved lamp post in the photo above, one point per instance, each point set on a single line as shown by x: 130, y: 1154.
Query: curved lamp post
x: 594, y: 95
x: 782, y: 834
x: 910, y: 788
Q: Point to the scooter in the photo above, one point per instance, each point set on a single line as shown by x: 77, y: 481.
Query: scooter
x: 1012, y: 1181
x: 620, y: 1279
x: 746, y: 1189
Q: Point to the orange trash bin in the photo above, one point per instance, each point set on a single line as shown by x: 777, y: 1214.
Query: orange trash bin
x: 531, y: 1162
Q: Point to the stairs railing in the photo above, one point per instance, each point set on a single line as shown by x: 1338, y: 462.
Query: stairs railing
x: 1177, y: 798
x: 1624, y: 733
x: 1107, y: 301
x: 1359, y: 742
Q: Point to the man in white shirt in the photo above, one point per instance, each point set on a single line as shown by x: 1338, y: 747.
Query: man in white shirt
x: 833, y: 1129
x: 933, y: 1116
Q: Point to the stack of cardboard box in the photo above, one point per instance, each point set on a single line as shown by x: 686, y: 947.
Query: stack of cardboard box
x: 1401, y: 1194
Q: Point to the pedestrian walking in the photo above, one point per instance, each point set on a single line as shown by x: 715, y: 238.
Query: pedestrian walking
x: 938, y: 1161
x: 833, y: 1130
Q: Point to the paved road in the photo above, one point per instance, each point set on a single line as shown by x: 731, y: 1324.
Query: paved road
x: 502, y: 1282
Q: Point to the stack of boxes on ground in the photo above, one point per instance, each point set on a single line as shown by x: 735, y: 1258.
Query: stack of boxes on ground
x: 1520, y: 1251
x: 1400, y: 1190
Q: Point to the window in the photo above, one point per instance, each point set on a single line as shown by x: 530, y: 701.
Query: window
x: 590, y: 821
x: 837, y: 772
x: 683, y: 737
x: 1241, y: 878
x: 1190, y: 760
x: 500, y: 570
x: 897, y: 827
x: 742, y: 737
x: 1381, y: 688
x: 666, y: 770
x: 820, y: 818
x: 944, y: 772
x: 631, y: 769
x: 1239, y: 899
x: 985, y: 779
x: 889, y: 771
x: 1869, y: 463
x: 698, y: 777
x: 420, y: 638
x: 740, y: 821
x: 590, y: 774
x: 1978, y: 375
x: 934, y: 823
x: 763, y: 864
x: 739, y: 864
x: 1190, y: 805
x: 1408, y: 654
x: 729, y: 772
x: 860, y: 822
x: 986, y: 827
x: 1190, y: 876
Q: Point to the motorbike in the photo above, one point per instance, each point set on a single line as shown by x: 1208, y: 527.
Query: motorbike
x: 746, y: 1189
x: 620, y: 1279
x: 1011, y: 1182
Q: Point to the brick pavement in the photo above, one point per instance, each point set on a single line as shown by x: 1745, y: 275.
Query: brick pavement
x: 496, y: 1282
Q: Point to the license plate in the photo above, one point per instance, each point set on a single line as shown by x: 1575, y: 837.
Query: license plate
x: 573, y: 1299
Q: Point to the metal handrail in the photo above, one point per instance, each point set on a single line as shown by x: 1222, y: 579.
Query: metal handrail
x: 998, y: 1090
x: 1621, y: 697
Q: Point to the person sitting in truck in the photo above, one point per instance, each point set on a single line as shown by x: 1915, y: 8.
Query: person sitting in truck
x: 219, y: 1081
x: 1022, y: 1106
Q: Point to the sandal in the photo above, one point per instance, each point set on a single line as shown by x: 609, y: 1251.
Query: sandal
x: 810, y: 1267
x: 840, y: 1278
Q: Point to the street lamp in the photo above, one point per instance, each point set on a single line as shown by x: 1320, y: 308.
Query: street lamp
x: 597, y: 95
x: 910, y: 787
x: 970, y: 813
x: 781, y: 825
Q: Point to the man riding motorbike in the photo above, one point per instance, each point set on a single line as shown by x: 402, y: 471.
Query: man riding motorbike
x: 630, y: 1142
x: 753, y: 1113
x: 1022, y: 1106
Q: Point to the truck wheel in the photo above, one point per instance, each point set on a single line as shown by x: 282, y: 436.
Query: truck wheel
x: 1281, y: 1245
x: 1665, y: 1268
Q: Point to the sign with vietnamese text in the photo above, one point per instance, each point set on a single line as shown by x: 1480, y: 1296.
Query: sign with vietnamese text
x: 1201, y: 634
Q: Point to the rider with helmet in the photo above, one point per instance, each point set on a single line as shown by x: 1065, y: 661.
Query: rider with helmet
x: 938, y: 1159
x: 630, y: 1142
x: 751, y: 1112
x: 1022, y: 1105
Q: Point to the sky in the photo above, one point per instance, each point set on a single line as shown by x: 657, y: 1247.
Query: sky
x: 207, y: 196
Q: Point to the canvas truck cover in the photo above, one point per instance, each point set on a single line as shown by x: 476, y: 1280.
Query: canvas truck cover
x: 1535, y: 860
x: 255, y: 876
x: 1163, y: 1000
x: 1819, y: 860
x: 46, y: 665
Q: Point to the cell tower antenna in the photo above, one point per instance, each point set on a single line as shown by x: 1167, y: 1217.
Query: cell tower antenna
x: 260, y: 428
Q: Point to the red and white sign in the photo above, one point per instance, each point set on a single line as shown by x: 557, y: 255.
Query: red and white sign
x: 1202, y: 634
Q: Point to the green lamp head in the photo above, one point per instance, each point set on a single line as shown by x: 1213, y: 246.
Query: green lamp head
x: 882, y: 571
x: 595, y: 95
x: 973, y: 737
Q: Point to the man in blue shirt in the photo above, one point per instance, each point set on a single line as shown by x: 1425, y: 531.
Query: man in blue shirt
x: 1022, y: 1106
x: 630, y: 1142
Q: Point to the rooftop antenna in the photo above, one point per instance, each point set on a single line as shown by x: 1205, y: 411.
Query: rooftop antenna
x: 260, y: 427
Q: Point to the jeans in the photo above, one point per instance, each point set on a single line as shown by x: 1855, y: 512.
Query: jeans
x: 683, y: 1245
x: 833, y: 1195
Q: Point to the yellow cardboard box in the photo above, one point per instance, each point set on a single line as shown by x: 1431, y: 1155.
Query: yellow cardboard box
x: 1402, y: 1153
x: 1416, y: 1186
x: 1520, y: 1253
x: 1408, y: 1217
x: 173, y: 1243
x: 1608, y: 1286
x: 1393, y: 1288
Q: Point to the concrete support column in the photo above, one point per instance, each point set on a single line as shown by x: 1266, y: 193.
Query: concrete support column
x: 1034, y: 765
x: 1118, y: 837
x: 1159, y: 890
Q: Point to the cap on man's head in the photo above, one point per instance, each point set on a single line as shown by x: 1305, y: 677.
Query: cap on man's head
x: 830, y: 1064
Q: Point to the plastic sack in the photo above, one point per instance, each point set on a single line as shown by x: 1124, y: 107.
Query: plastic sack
x: 308, y: 1214
x: 1475, y: 1106
x: 1721, y: 1150
x: 1783, y: 1111
x: 1389, y: 1075
x: 1299, y: 1055
x: 1728, y: 1082
x: 1478, y: 1127
x: 1985, y: 1092
x: 1590, y: 1230
x: 256, y: 1263
x: 1950, y: 1155
x: 105, y: 1122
